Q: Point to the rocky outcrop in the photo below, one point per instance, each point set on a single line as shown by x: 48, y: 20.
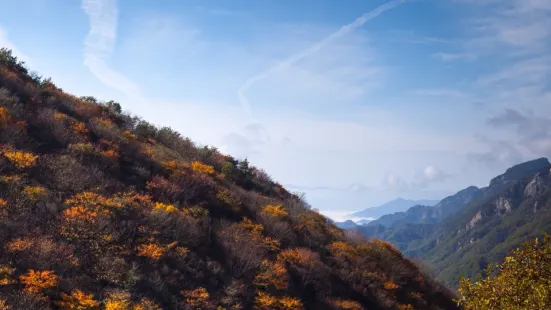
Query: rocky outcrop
x: 474, y: 220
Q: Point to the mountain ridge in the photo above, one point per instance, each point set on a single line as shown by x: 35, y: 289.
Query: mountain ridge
x: 396, y: 205
x: 486, y: 224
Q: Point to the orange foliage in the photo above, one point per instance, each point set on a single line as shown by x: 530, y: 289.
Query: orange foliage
x: 298, y: 256
x: 390, y: 285
x: 6, y: 273
x: 287, y: 302
x: 271, y: 243
x: 20, y: 159
x: 4, y: 116
x: 80, y: 212
x: 197, y: 297
x: 58, y: 116
x: 78, y: 300
x: 146, y: 304
x: 165, y: 207
x: 200, y: 167
x: 4, y: 305
x: 111, y: 154
x: 151, y: 251
x: 93, y: 201
x: 272, y: 275
x: 80, y: 128
x: 10, y: 179
x: 274, y: 210
x: 267, y: 301
x: 117, y: 300
x: 251, y: 226
x: 345, y: 304
x: 342, y: 250
x: 36, y: 281
x: 128, y: 135
x: 406, y: 307
x: 3, y: 202
x: 34, y: 192
x: 19, y: 245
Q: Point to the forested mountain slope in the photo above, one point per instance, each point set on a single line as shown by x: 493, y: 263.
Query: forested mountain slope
x: 99, y: 209
x: 486, y: 225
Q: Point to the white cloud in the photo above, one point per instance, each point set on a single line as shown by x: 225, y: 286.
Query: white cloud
x: 341, y: 216
x: 99, y: 45
x: 455, y: 56
x: 394, y: 183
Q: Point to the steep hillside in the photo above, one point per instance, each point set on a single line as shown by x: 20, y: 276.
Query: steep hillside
x: 484, y: 226
x: 515, y: 208
x: 99, y: 209
x: 397, y: 205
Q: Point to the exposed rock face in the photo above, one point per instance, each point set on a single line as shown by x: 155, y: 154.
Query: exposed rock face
x: 539, y: 184
x: 474, y: 220
x: 503, y: 205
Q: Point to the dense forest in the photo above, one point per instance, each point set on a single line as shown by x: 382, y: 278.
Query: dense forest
x: 100, y: 209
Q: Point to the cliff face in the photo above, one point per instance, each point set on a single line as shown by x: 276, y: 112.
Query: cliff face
x: 479, y: 226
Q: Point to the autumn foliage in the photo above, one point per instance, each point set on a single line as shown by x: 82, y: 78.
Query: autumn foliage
x: 522, y: 281
x: 100, y: 209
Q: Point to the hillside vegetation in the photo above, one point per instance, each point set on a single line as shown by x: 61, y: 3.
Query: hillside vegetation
x: 521, y: 282
x: 483, y: 225
x: 102, y: 210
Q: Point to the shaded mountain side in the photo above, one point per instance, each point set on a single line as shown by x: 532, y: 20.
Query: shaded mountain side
x: 488, y: 228
x: 101, y: 209
x: 514, y: 208
x: 393, y: 206
x: 421, y: 214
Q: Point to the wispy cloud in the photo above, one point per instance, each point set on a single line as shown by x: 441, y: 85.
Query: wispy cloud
x: 99, y: 45
x: 441, y: 92
x: 360, y: 21
x: 455, y: 56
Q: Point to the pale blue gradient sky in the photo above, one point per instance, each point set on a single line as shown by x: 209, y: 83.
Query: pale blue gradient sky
x: 418, y: 99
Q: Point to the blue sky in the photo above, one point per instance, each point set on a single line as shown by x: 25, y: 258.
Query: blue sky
x: 352, y: 104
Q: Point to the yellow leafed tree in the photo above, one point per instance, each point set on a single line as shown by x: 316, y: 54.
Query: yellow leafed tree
x: 521, y: 282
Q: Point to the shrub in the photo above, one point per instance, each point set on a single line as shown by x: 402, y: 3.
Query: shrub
x: 196, y: 298
x: 34, y: 193
x: 271, y: 275
x: 521, y: 281
x: 36, y: 281
x: 117, y: 300
x: 20, y: 159
x: 152, y: 251
x: 200, y: 167
x: 77, y: 300
x: 274, y: 210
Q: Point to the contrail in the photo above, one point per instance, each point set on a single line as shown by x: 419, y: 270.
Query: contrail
x: 99, y: 45
x: 360, y: 21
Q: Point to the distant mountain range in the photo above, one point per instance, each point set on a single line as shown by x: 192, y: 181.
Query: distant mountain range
x: 390, y: 207
x: 464, y: 232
